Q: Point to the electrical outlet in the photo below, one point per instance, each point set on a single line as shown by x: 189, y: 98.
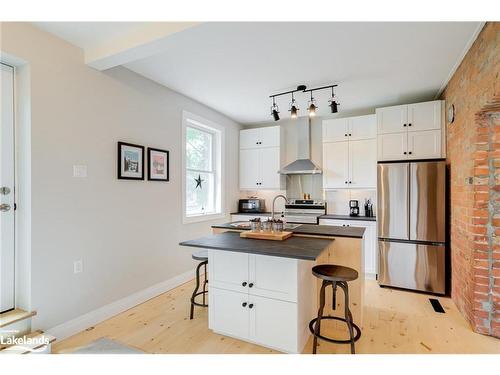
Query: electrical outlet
x: 80, y: 171
x: 77, y: 266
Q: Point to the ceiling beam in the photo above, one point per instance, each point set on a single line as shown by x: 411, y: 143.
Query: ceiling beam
x: 138, y: 44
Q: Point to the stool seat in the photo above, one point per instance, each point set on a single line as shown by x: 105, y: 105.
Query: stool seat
x: 333, y: 272
x: 201, y: 255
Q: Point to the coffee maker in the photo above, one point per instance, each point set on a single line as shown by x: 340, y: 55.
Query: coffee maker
x: 353, y: 208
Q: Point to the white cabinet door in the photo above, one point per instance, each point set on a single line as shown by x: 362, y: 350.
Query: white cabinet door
x: 249, y: 138
x: 228, y: 270
x: 273, y: 277
x: 392, y: 119
x: 274, y: 323
x: 424, y: 144
x: 250, y: 169
x: 362, y: 127
x: 363, y: 163
x: 270, y: 136
x: 229, y: 312
x: 335, y: 165
x: 424, y: 116
x: 392, y: 146
x: 269, y: 168
x: 335, y: 130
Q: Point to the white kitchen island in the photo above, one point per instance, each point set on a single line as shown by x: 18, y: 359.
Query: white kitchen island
x: 263, y: 291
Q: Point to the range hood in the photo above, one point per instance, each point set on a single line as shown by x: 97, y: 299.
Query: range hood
x: 303, y: 164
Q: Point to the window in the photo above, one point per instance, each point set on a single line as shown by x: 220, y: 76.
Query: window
x: 202, y: 167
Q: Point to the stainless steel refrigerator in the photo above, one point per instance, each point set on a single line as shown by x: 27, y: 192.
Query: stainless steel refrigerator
x: 411, y: 220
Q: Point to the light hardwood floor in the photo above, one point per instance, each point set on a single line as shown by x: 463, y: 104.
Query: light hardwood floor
x: 394, y: 322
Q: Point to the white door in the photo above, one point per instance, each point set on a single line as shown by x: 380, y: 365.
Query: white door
x: 249, y: 138
x: 269, y: 168
x: 249, y: 169
x: 228, y: 270
x: 424, y: 144
x: 7, y: 189
x: 228, y: 312
x: 273, y: 277
x: 392, y: 146
x: 363, y: 163
x: 424, y: 116
x: 270, y: 136
x: 392, y: 119
x: 274, y: 323
x: 362, y: 127
x: 335, y: 130
x: 336, y: 165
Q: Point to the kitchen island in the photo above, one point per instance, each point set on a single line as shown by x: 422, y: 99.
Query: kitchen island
x: 263, y: 291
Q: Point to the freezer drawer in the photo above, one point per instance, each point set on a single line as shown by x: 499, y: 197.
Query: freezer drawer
x: 392, y: 199
x: 412, y: 266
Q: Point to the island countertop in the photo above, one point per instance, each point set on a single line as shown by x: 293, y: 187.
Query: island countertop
x: 306, y: 248
x: 310, y: 229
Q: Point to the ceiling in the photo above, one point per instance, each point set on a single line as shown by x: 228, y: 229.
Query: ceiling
x: 234, y: 67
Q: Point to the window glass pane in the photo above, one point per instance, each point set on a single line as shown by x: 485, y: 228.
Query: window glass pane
x: 198, y: 149
x: 200, y: 197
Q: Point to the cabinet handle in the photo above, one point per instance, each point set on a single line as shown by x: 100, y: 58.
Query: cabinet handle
x: 350, y: 182
x: 345, y: 182
x: 250, y: 285
x: 244, y: 283
x: 345, y: 135
x: 250, y: 306
x: 410, y: 152
x: 350, y: 135
x: 404, y: 152
x: 404, y: 125
x: 409, y: 124
x: 244, y: 304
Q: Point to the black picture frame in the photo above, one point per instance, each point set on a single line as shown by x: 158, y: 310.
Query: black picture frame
x: 119, y: 163
x: 167, y: 158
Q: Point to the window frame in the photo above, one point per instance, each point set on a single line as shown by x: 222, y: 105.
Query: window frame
x: 192, y: 120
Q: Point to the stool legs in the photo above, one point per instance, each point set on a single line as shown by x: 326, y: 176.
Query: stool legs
x: 204, y: 282
x: 195, y: 292
x: 348, y: 315
x: 320, y: 315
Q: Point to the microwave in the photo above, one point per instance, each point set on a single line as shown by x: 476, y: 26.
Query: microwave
x: 251, y: 205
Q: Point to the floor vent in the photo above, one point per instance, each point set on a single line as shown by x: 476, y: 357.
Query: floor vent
x: 436, y: 305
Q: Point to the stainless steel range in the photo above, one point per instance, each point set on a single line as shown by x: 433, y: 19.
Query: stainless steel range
x: 304, y: 211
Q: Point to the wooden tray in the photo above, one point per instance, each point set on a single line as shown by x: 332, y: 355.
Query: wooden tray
x: 266, y: 235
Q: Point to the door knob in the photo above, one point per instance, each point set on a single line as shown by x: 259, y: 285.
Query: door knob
x: 4, y: 207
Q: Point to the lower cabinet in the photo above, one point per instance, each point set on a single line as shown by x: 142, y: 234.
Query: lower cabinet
x: 369, y: 242
x: 229, y: 312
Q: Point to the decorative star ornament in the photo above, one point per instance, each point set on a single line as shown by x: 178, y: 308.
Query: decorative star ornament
x: 198, y: 182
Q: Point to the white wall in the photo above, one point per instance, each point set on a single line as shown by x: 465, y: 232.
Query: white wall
x: 126, y: 232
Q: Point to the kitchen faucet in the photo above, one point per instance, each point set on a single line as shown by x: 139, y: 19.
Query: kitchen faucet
x: 274, y: 201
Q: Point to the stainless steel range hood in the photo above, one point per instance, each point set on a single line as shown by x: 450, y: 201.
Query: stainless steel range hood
x: 303, y: 164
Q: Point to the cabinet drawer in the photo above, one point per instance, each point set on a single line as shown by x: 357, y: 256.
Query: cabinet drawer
x: 228, y: 270
x: 273, y: 277
x: 227, y: 313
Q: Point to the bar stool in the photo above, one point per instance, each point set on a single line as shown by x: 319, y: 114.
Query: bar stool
x: 334, y: 275
x: 201, y: 256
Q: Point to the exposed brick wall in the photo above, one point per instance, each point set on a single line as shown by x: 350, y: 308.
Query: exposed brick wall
x: 474, y: 160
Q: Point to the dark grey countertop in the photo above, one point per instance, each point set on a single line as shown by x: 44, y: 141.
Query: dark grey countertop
x: 347, y: 217
x: 317, y: 230
x: 254, y: 213
x: 295, y: 247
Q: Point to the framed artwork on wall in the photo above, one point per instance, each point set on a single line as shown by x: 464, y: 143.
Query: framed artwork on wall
x: 130, y: 161
x: 158, y: 164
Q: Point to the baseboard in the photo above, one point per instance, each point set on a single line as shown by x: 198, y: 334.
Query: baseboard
x: 91, y: 318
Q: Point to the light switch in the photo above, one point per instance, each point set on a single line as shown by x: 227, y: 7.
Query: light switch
x: 80, y: 171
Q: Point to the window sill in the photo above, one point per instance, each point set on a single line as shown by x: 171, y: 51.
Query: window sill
x: 201, y: 218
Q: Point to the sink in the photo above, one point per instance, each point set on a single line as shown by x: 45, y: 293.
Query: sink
x: 291, y: 226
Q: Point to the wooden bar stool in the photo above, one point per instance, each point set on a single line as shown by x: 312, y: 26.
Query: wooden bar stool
x: 201, y: 256
x: 334, y: 275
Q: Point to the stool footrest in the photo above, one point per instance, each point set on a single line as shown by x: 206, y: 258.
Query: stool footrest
x: 193, y: 301
x: 354, y: 326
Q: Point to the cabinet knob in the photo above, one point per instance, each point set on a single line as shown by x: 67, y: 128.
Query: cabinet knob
x: 345, y: 135
x: 404, y: 125
x: 410, y: 152
x: 250, y: 306
x: 244, y: 283
x: 409, y: 124
x: 345, y: 182
x: 350, y: 135
x: 250, y: 285
x: 350, y: 182
x: 244, y: 304
x: 404, y: 152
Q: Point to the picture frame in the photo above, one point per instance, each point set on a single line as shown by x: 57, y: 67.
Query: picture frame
x: 130, y: 161
x: 158, y: 164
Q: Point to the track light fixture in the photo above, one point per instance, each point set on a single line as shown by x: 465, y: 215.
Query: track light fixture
x: 311, y: 108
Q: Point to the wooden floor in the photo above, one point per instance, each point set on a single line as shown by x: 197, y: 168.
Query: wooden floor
x: 394, y: 322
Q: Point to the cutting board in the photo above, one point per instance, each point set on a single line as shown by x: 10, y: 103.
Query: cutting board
x: 267, y: 235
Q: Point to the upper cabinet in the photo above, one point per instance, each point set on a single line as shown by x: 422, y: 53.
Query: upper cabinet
x: 260, y: 159
x: 350, y: 153
x: 411, y: 131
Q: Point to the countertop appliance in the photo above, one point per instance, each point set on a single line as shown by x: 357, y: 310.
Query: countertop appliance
x: 304, y: 211
x: 412, y: 225
x: 353, y: 207
x: 251, y: 205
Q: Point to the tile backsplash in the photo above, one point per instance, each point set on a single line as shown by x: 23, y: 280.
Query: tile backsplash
x: 338, y: 200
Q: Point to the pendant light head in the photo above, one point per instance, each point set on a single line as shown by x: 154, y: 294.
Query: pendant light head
x: 275, y: 111
x: 312, y: 107
x: 293, y: 108
x: 333, y: 103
